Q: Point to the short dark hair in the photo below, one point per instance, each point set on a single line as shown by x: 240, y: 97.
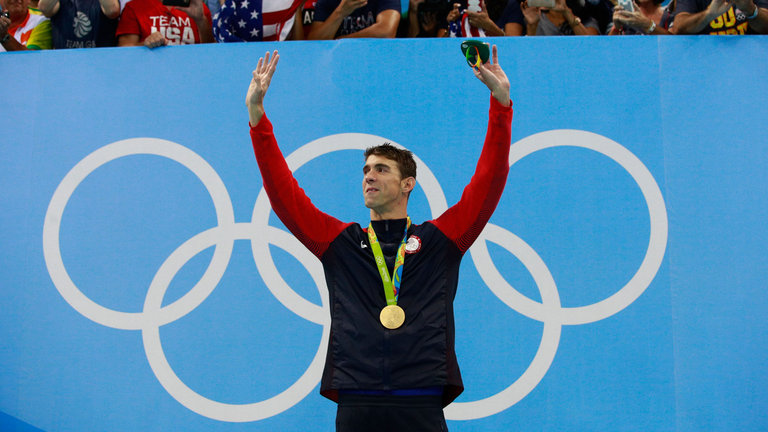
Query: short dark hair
x: 404, y: 158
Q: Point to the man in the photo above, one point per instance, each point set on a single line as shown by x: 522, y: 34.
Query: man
x: 649, y: 17
x: 25, y: 28
x: 721, y: 17
x: 82, y: 23
x: 153, y: 24
x: 391, y: 363
x: 338, y: 19
x: 560, y: 20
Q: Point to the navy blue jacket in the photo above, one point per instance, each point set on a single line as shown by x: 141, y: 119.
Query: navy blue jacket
x: 362, y: 354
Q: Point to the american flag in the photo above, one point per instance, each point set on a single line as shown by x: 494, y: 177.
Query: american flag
x: 462, y: 27
x: 255, y: 20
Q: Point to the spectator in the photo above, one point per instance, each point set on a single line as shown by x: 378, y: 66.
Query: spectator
x: 564, y: 19
x: 257, y: 20
x: 424, y: 16
x: 152, y: 24
x: 495, y: 18
x: 648, y: 18
x: 82, y: 23
x: 307, y: 16
x: 720, y: 17
x: 25, y: 28
x: 336, y: 19
x: 601, y: 10
x: 668, y: 17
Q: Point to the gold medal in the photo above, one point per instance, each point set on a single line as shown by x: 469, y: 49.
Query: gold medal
x: 392, y: 317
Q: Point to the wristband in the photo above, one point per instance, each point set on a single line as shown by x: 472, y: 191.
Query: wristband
x: 651, y: 28
x: 754, y: 14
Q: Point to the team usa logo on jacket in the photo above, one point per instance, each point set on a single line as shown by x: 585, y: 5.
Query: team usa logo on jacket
x: 413, y: 245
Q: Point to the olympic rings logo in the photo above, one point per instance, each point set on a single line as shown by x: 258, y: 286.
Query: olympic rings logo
x: 261, y: 235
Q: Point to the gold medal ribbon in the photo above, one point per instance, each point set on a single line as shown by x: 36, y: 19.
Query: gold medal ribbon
x: 391, y: 284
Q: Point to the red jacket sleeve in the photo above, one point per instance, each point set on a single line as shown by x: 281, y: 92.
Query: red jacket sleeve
x: 464, y: 222
x: 314, y: 229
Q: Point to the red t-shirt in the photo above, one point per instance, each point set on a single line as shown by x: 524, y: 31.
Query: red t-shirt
x: 143, y: 17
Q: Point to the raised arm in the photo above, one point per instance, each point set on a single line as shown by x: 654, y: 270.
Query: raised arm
x: 464, y: 221
x: 49, y: 8
x: 312, y: 227
x: 262, y: 77
x: 110, y: 8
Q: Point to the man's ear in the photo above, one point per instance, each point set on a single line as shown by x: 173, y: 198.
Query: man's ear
x: 407, y: 184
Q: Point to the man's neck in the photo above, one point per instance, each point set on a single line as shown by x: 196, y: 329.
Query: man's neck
x: 392, y: 214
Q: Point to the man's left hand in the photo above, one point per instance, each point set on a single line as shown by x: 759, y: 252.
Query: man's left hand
x: 494, y: 78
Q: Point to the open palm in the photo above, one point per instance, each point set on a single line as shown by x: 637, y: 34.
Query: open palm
x: 262, y: 76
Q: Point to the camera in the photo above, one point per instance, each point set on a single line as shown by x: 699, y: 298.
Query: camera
x: 5, y: 14
x: 627, y: 5
x: 549, y: 4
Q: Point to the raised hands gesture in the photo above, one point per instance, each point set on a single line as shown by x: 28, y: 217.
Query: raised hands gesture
x: 494, y: 78
x: 262, y: 76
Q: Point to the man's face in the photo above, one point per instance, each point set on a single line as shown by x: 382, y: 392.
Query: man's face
x: 15, y: 7
x: 382, y: 183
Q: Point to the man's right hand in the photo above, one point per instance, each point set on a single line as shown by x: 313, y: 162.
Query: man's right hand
x: 5, y: 24
x: 262, y: 76
x: 155, y: 39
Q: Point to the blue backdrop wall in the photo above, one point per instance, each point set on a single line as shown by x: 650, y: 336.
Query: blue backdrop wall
x: 620, y: 286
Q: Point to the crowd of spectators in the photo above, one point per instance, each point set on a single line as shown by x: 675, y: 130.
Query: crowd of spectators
x: 46, y: 24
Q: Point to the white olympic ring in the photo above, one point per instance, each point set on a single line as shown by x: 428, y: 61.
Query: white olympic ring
x: 52, y: 225
x: 549, y: 311
x: 657, y: 242
x: 261, y: 235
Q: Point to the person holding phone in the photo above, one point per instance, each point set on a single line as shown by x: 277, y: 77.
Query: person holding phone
x: 154, y: 23
x: 391, y: 362
x: 82, y: 23
x: 562, y: 19
x: 23, y: 27
x: 641, y: 17
x: 722, y: 17
x: 486, y: 18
